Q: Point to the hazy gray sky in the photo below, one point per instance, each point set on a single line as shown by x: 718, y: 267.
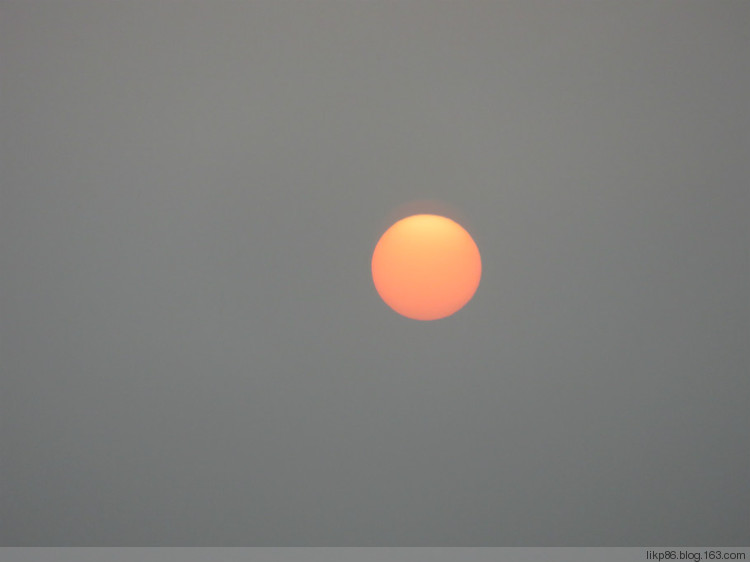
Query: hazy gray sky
x: 193, y: 352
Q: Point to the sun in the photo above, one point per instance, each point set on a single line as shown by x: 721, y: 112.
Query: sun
x: 426, y: 267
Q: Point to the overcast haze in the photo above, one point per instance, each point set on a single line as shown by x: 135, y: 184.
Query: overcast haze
x: 193, y: 352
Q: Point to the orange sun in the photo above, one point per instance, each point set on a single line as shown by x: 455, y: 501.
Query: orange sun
x: 426, y: 267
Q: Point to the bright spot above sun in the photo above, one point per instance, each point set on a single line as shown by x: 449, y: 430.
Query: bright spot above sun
x: 426, y: 267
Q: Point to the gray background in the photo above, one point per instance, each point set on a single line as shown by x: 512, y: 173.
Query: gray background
x: 192, y: 349
x: 351, y: 554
